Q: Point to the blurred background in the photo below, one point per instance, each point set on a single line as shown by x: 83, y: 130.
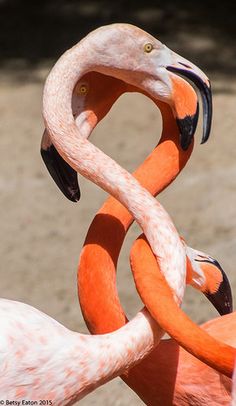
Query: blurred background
x: 35, y: 32
x: 41, y: 233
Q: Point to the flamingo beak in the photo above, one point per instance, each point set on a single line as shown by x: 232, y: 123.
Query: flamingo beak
x: 64, y: 176
x: 221, y: 295
x: 187, y: 125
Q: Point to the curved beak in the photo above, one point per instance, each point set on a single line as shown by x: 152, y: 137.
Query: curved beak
x: 187, y: 124
x: 64, y: 176
x: 217, y: 290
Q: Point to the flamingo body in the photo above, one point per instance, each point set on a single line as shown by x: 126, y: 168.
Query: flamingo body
x: 172, y: 376
x: 153, y: 379
x: 69, y: 137
x: 42, y: 359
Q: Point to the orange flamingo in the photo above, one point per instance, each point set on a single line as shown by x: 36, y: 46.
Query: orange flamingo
x: 147, y: 64
x: 97, y: 101
x: 68, y: 153
x: 54, y: 363
x: 192, y: 382
x: 97, y: 290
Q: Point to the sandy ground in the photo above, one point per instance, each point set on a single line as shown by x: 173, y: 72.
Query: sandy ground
x: 42, y: 233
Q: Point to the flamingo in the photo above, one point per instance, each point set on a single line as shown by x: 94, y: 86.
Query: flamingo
x: 43, y: 360
x: 148, y: 64
x: 88, y: 57
x: 40, y: 358
x: 107, y: 231
x: 103, y: 91
x: 192, y: 382
x: 95, y: 93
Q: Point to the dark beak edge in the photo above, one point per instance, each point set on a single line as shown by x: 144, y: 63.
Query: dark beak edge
x: 64, y: 176
x: 188, y: 125
x: 222, y: 299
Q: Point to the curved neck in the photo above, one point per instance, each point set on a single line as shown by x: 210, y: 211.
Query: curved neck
x: 98, y: 260
x: 112, y: 354
x: 92, y: 163
x: 158, y: 298
x: 76, y: 363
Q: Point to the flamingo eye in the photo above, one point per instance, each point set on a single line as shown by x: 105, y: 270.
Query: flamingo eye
x: 148, y: 47
x: 83, y: 89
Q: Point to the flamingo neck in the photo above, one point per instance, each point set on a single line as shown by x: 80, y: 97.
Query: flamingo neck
x: 97, y: 290
x: 93, y: 164
x: 64, y: 365
x: 158, y: 298
x: 91, y: 361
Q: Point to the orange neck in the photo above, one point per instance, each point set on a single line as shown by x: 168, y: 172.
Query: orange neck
x: 97, y: 290
x: 98, y: 295
x: 158, y: 298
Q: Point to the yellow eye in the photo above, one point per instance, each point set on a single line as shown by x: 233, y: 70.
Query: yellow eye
x: 148, y: 47
x: 83, y: 89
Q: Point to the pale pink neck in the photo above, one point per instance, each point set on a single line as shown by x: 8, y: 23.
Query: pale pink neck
x: 94, y: 360
x: 92, y: 163
x: 51, y: 362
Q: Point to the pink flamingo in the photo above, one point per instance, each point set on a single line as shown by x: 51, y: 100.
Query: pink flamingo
x: 54, y: 363
x: 43, y: 360
x: 147, y: 65
x: 152, y: 379
x: 61, y: 126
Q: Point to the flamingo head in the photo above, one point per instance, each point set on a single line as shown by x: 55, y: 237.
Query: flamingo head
x: 93, y: 97
x: 134, y: 56
x: 205, y: 274
x: 119, y: 58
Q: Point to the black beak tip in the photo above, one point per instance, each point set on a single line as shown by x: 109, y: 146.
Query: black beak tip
x: 187, y: 127
x: 63, y: 175
x: 222, y: 305
x: 206, y: 95
x: 207, y: 116
x: 73, y: 195
x: 222, y: 300
x: 205, y: 136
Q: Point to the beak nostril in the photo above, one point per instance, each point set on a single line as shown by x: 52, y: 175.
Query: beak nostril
x: 184, y: 64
